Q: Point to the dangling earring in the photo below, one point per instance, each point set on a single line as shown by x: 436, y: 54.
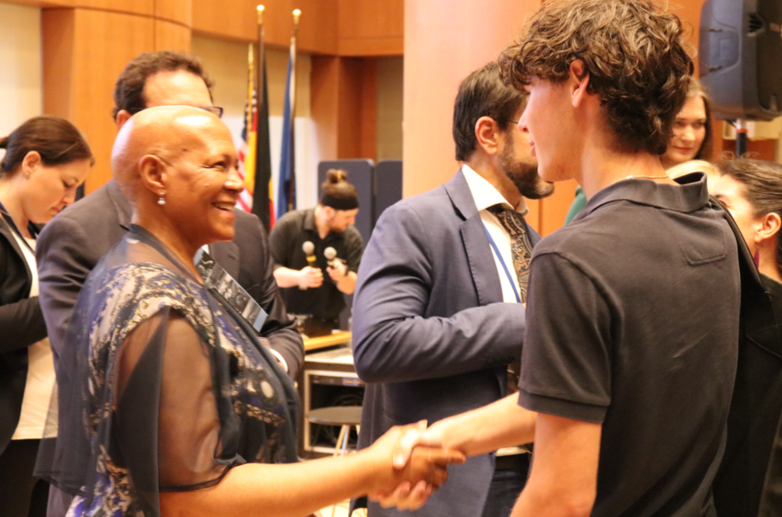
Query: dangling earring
x: 757, y: 257
x: 162, y: 199
x: 27, y: 175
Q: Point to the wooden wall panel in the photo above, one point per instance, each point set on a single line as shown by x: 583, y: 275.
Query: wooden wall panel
x: 391, y: 46
x: 369, y: 111
x: 141, y: 7
x: 318, y: 27
x: 172, y: 36
x: 57, y: 41
x: 177, y: 11
x: 324, y: 84
x: 371, y: 28
x: 88, y: 71
x: 237, y: 20
x: 344, y: 107
x: 440, y: 50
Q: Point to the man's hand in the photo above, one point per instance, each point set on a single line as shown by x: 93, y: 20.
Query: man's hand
x: 310, y: 277
x: 409, y: 486
x: 337, y: 270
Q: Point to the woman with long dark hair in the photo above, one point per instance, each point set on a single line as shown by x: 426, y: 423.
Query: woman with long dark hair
x: 46, y: 159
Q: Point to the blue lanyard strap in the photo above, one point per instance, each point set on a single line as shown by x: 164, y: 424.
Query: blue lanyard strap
x: 513, y: 281
x: 30, y: 227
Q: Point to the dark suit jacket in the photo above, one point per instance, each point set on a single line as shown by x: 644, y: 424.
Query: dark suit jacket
x: 22, y: 325
x: 429, y: 336
x: 749, y: 481
x: 75, y: 240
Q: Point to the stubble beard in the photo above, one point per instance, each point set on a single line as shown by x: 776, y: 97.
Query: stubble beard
x: 523, y: 174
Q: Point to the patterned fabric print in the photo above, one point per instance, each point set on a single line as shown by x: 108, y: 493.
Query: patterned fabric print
x: 253, y: 392
x: 520, y: 245
x: 113, y: 493
x: 133, y: 294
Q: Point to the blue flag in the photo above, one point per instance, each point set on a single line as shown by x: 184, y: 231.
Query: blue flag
x: 286, y: 199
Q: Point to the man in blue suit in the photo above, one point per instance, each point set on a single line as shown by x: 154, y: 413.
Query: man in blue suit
x: 437, y: 316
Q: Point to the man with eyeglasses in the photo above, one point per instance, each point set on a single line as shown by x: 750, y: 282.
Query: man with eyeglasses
x: 71, y: 245
x: 438, y: 314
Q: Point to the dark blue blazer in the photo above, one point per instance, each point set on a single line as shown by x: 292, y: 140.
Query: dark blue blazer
x: 430, y: 334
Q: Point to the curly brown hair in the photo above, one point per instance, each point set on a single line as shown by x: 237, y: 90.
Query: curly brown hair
x: 632, y: 51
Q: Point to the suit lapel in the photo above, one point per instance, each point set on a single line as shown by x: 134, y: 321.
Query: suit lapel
x: 227, y: 255
x: 121, y: 204
x: 476, y: 244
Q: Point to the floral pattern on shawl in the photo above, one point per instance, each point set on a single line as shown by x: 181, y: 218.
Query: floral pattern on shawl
x: 130, y: 295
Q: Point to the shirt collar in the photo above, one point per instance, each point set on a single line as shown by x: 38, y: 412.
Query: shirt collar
x: 690, y: 195
x: 309, y: 219
x: 485, y: 195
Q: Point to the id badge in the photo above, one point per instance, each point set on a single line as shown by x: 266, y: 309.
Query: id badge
x: 229, y: 290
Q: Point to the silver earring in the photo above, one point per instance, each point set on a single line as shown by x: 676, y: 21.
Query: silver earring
x: 162, y: 199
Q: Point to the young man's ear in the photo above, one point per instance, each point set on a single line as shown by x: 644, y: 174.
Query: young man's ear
x: 487, y: 134
x: 578, y: 81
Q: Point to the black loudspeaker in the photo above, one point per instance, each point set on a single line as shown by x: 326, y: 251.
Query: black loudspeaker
x: 740, y: 49
x: 388, y: 186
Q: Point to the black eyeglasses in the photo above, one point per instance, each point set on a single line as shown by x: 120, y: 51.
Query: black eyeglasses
x: 217, y: 111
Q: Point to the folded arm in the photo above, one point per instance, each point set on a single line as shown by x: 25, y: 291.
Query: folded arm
x: 393, y: 340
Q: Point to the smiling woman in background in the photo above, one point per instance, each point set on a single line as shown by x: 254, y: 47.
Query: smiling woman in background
x: 691, y: 129
x: 46, y: 159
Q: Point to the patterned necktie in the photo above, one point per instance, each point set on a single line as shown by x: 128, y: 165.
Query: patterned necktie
x: 520, y: 245
x: 521, y: 251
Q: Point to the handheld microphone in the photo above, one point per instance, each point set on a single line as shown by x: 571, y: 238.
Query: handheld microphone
x: 330, y: 254
x: 309, y: 249
x: 331, y: 257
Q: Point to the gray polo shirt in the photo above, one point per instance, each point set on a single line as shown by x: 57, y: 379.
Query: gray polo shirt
x: 632, y: 322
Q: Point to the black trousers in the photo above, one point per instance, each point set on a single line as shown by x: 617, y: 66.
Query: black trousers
x: 22, y: 495
x: 506, y: 485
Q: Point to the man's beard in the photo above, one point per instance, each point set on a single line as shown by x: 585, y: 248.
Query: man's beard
x: 523, y: 174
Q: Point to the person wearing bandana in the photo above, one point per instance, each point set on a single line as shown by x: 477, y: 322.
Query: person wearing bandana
x: 311, y: 283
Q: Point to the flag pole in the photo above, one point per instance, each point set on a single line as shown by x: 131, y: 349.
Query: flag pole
x: 262, y: 189
x: 292, y: 185
x: 250, y: 86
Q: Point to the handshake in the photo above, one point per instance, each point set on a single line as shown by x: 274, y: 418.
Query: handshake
x: 411, y: 464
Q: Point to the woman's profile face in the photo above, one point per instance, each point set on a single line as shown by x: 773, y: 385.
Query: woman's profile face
x: 203, y: 187
x: 50, y: 188
x: 731, y: 194
x: 689, y: 131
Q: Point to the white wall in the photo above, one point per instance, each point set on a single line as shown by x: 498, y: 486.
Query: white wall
x: 21, y: 84
x: 226, y: 64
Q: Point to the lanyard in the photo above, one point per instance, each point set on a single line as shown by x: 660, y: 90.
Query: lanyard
x: 513, y: 282
x: 32, y: 229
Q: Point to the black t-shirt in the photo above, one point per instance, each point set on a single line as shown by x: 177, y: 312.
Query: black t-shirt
x: 285, y: 242
x: 633, y: 320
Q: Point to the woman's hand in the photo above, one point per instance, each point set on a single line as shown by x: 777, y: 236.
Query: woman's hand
x: 409, y: 485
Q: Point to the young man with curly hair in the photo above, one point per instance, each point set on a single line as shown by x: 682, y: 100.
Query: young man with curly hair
x: 633, y: 310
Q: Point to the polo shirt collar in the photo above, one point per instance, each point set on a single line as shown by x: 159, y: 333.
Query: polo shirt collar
x: 309, y: 220
x: 691, y: 194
